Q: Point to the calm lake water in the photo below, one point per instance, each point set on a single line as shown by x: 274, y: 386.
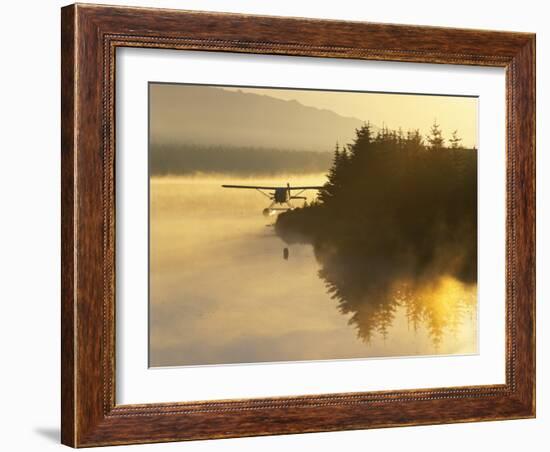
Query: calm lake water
x: 221, y: 290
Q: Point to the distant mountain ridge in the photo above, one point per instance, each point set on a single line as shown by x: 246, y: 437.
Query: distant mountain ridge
x: 212, y: 116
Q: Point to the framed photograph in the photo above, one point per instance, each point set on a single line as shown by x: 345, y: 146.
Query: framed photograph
x: 281, y: 225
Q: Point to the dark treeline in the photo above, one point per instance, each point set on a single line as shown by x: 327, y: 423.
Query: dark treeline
x: 172, y: 159
x: 398, y: 213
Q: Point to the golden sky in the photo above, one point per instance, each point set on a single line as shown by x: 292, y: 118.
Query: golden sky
x: 408, y: 111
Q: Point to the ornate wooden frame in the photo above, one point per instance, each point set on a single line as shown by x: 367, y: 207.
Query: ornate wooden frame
x: 90, y: 35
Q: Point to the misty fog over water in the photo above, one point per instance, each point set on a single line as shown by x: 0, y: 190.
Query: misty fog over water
x: 221, y: 290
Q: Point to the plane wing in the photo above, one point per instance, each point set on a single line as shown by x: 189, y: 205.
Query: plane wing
x: 257, y: 187
x: 306, y: 188
x: 254, y: 187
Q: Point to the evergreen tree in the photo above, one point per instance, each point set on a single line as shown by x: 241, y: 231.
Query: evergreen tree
x: 362, y: 140
x: 436, y: 137
x: 455, y: 140
x: 334, y: 176
x: 414, y: 139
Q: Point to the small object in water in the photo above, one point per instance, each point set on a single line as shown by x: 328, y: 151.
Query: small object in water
x: 285, y: 254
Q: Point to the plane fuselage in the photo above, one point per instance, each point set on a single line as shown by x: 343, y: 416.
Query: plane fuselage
x: 281, y: 195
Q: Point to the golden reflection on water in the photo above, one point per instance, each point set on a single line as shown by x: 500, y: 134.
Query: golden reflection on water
x: 221, y: 290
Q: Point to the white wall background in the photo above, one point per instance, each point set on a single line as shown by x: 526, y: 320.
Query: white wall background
x: 29, y: 226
